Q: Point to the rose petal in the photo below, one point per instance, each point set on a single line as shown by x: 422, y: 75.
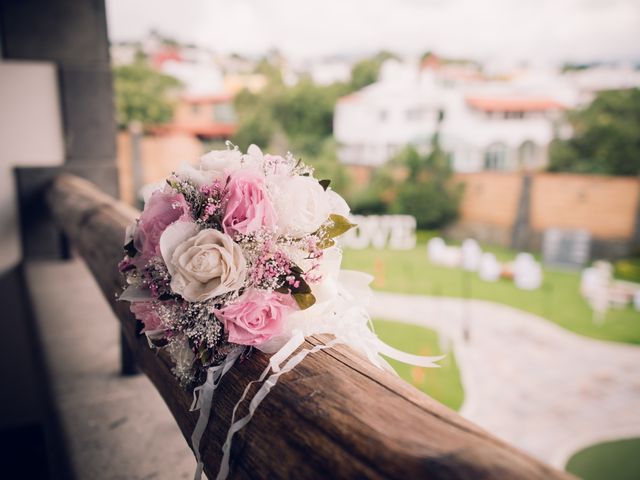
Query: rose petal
x: 148, y: 190
x: 174, y: 235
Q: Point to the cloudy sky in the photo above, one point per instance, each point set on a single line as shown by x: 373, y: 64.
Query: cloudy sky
x: 509, y: 30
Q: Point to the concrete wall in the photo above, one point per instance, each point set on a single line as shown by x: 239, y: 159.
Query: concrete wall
x: 71, y: 36
x: 160, y: 155
x: 605, y: 206
x: 30, y: 135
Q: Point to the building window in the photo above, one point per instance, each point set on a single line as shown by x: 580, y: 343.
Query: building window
x: 224, y: 113
x: 383, y: 115
x: 514, y: 115
x: 495, y: 157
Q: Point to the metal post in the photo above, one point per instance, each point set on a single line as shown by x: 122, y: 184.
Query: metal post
x: 135, y: 129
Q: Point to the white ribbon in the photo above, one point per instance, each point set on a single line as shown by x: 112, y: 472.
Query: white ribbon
x: 408, y: 358
x: 203, y: 398
x: 264, y: 390
x: 351, y: 326
x: 203, y: 395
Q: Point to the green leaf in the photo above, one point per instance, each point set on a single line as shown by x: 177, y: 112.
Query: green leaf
x: 326, y: 243
x: 304, y: 300
x: 325, y: 183
x: 303, y: 286
x: 338, y: 226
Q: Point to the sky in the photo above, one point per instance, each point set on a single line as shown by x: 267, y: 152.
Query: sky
x: 486, y: 30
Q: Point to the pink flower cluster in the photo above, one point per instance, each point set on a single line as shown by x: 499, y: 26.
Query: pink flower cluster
x: 315, y: 254
x: 214, y: 195
x: 269, y: 267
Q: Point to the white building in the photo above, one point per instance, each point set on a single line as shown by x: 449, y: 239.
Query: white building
x: 328, y: 70
x: 495, y: 125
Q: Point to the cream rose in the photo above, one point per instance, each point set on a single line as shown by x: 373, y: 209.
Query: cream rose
x: 202, y: 265
x: 301, y: 204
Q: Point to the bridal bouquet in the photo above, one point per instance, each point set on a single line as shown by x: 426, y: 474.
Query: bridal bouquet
x: 239, y: 252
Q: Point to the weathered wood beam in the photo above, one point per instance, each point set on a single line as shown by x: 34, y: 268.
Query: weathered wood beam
x: 334, y: 416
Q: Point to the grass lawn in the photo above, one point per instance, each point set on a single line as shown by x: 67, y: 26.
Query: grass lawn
x: 558, y: 300
x: 619, y: 460
x: 443, y: 384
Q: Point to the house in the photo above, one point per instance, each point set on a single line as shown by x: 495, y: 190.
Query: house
x: 484, y: 124
x: 504, y: 132
x: 207, y: 117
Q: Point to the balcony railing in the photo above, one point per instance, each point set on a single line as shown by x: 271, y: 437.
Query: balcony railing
x: 334, y: 416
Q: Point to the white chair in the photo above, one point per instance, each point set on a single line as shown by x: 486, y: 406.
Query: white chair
x: 435, y: 247
x: 527, y: 273
x: 452, y: 257
x: 599, y: 295
x: 471, y: 254
x: 489, y: 269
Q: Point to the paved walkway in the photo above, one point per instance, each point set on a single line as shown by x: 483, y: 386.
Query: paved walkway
x: 542, y: 388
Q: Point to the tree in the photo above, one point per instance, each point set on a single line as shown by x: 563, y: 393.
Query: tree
x: 606, y: 137
x: 366, y: 71
x: 143, y: 94
x: 256, y: 127
x: 428, y: 192
x: 303, y: 112
x: 414, y: 184
x: 327, y: 166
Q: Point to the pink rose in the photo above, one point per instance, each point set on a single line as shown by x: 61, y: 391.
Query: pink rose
x: 248, y: 206
x: 256, y: 316
x: 162, y: 209
x: 145, y: 312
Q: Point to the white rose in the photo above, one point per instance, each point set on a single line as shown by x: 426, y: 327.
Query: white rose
x: 301, y: 204
x: 337, y: 204
x: 221, y: 161
x: 197, y: 175
x: 202, y: 264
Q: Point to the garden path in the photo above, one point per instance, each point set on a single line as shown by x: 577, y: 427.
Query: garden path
x: 537, y: 386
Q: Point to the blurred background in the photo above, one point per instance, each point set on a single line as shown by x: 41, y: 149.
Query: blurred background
x: 490, y: 151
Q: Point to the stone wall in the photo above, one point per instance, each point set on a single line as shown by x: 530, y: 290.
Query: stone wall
x: 605, y: 206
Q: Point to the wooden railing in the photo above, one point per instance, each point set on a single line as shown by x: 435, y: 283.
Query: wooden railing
x: 334, y: 416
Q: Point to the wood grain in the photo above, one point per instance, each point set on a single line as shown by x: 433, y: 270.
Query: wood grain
x: 334, y: 416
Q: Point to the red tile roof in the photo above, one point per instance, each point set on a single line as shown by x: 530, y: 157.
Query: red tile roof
x: 207, y: 99
x: 348, y: 98
x: 158, y: 58
x: 513, y: 104
x: 208, y: 130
